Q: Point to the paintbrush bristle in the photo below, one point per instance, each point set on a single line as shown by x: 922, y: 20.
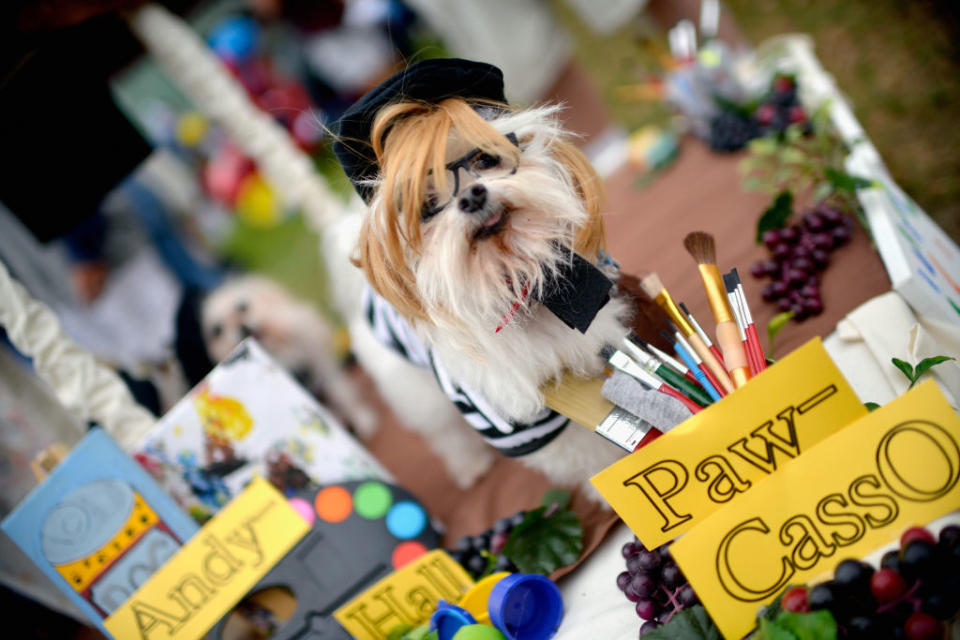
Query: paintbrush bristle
x: 701, y: 246
x: 729, y: 282
x: 651, y: 285
x: 637, y: 340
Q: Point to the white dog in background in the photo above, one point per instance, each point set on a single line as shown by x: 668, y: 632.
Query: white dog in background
x: 291, y: 331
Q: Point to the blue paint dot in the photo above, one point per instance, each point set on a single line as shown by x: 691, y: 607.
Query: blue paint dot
x: 406, y: 520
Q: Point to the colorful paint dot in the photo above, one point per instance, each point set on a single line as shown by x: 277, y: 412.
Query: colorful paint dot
x: 333, y: 504
x: 372, y: 500
x: 406, y: 552
x: 406, y: 520
x: 303, y: 509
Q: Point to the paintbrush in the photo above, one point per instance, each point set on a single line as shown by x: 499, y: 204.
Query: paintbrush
x: 703, y: 334
x: 619, y: 360
x: 664, y: 357
x: 676, y: 380
x: 688, y: 355
x: 754, y: 348
x: 701, y: 246
x: 653, y: 287
x: 580, y: 399
x: 739, y: 318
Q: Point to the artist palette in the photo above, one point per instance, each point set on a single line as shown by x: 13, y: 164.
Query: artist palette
x: 361, y: 532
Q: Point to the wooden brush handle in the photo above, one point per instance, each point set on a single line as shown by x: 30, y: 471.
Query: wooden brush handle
x: 711, y: 361
x: 734, y: 357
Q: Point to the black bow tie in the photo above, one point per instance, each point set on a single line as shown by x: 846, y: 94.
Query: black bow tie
x: 577, y: 292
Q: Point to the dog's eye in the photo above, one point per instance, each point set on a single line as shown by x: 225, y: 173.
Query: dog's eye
x: 242, y: 306
x: 486, y: 161
x: 215, y: 331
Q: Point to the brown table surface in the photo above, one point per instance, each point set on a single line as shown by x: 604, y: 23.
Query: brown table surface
x: 645, y: 231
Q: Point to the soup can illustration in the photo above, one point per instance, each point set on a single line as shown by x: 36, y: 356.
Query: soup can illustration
x: 106, y: 541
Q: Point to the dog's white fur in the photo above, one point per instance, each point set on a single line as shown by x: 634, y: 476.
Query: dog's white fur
x: 468, y: 283
x: 291, y: 331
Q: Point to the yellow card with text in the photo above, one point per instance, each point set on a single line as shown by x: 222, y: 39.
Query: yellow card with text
x: 857, y: 490
x: 667, y: 487
x: 406, y: 596
x: 214, y: 570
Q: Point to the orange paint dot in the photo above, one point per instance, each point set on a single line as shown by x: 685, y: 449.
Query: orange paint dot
x: 333, y: 504
x: 406, y: 552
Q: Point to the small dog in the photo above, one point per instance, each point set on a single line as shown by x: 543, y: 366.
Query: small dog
x: 292, y: 332
x: 474, y: 211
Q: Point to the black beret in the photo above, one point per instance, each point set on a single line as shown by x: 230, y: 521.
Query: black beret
x: 427, y: 81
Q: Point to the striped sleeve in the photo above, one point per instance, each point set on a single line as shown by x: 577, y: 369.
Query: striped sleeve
x: 392, y: 330
x: 510, y: 438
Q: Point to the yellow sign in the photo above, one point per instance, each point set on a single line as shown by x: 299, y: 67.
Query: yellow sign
x: 407, y: 596
x: 665, y: 488
x: 853, y: 492
x: 214, y: 570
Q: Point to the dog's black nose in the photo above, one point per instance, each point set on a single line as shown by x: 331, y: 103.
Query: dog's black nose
x: 473, y: 199
x: 245, y: 331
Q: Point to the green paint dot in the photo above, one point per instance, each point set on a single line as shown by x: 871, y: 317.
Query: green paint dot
x: 372, y: 500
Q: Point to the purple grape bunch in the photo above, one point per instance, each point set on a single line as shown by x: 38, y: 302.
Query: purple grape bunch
x: 469, y: 550
x: 798, y: 254
x: 780, y: 108
x: 655, y: 584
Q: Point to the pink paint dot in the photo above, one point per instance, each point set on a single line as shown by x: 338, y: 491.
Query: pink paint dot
x: 303, y: 509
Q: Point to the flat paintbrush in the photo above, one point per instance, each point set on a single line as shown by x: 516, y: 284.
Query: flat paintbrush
x: 654, y: 288
x: 739, y: 317
x: 701, y: 246
x: 750, y: 328
x: 581, y: 400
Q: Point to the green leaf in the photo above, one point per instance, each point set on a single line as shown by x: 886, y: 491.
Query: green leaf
x: 769, y: 630
x: 822, y: 191
x: 418, y: 633
x: 776, y: 325
x: 816, y: 625
x: 544, y: 544
x: 491, y: 564
x: 763, y: 146
x: 777, y: 215
x: 845, y: 181
x: 871, y: 406
x: 905, y: 368
x: 791, y: 155
x: 689, y: 624
x: 926, y: 363
x: 400, y: 632
x: 743, y: 110
x: 559, y: 497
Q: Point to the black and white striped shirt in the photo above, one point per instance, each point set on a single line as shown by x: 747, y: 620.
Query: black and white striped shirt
x: 511, y: 438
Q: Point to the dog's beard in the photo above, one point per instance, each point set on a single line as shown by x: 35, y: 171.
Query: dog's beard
x: 476, y: 272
